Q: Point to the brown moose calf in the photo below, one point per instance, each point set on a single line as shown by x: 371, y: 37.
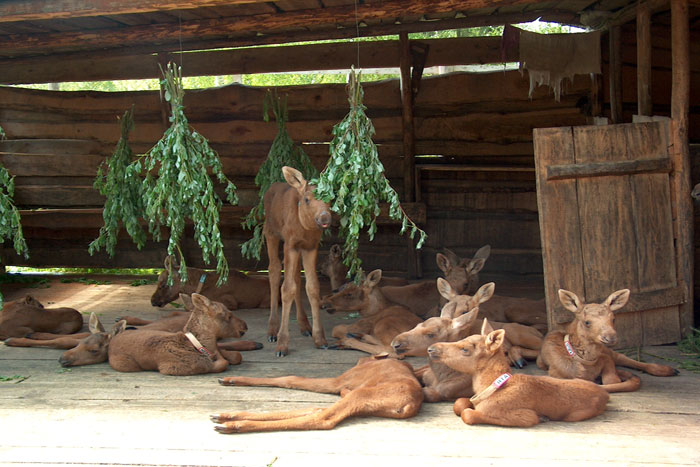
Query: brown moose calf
x: 513, y: 400
x: 190, y: 352
x: 239, y: 291
x: 378, y: 387
x: 20, y: 318
x: 582, y: 350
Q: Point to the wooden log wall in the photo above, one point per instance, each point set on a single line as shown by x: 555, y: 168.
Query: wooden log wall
x: 474, y: 162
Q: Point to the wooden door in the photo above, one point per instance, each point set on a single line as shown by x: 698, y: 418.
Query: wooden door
x: 605, y: 210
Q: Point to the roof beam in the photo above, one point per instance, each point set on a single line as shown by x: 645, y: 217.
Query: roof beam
x: 235, y: 27
x: 33, y: 10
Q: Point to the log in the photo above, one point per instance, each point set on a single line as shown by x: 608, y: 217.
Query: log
x: 32, y: 10
x: 327, y: 56
x: 602, y: 169
x: 218, y: 28
x: 615, y: 72
x: 680, y: 154
x: 644, y: 102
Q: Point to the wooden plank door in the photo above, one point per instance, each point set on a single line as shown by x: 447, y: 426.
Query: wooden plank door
x: 605, y: 210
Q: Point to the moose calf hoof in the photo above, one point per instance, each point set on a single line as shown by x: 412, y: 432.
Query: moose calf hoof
x: 306, y: 333
x: 226, y: 429
x: 227, y: 381
x: 281, y: 353
x: 258, y: 346
x: 521, y: 363
x: 272, y: 338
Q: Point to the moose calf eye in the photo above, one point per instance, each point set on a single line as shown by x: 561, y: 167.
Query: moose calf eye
x: 465, y: 351
x: 587, y: 323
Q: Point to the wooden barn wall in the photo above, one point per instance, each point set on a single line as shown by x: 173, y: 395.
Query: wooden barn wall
x: 660, y: 75
x: 477, y: 183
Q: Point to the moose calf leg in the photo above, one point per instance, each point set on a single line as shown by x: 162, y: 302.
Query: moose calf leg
x: 313, y: 291
x: 516, y: 417
x: 274, y: 277
x: 302, y: 319
x: 651, y: 368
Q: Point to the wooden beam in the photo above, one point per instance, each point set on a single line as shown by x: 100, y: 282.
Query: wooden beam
x: 629, y: 13
x: 644, y: 103
x: 33, y: 10
x: 680, y: 154
x: 602, y: 169
x: 227, y: 29
x: 328, y: 56
x: 615, y: 75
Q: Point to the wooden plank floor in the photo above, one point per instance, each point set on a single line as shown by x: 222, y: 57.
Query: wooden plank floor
x: 93, y: 415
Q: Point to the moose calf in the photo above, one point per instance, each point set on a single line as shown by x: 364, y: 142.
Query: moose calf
x: 189, y: 352
x: 513, y: 400
x: 381, y: 320
x: 583, y: 349
x: 20, y: 318
x: 378, y: 387
x: 294, y: 216
x: 239, y: 290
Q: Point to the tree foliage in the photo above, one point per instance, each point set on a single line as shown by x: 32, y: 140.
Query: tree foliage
x: 183, y: 189
x: 10, y: 220
x: 353, y: 180
x: 282, y: 152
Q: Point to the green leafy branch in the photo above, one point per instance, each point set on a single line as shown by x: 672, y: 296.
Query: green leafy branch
x: 282, y: 152
x: 182, y: 159
x: 10, y: 220
x: 354, y: 181
x: 120, y: 182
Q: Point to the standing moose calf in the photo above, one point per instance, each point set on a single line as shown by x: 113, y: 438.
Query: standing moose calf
x: 582, y: 351
x: 295, y: 217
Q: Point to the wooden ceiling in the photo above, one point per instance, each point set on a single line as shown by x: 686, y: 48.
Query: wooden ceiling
x: 47, y: 27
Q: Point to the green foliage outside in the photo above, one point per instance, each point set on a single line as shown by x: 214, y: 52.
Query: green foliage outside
x: 182, y: 189
x: 282, y: 152
x: 353, y: 182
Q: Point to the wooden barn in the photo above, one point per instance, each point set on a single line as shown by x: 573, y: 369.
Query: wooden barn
x: 583, y: 184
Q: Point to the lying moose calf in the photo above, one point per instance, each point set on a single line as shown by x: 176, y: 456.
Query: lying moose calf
x: 25, y: 316
x: 513, y: 400
x: 189, y: 352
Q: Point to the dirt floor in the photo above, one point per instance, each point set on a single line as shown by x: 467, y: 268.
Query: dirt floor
x: 94, y: 415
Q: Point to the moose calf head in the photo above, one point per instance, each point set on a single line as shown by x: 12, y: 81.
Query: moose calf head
x: 595, y: 321
x: 312, y: 212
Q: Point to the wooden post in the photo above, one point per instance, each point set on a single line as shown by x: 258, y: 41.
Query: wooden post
x: 615, y: 71
x: 680, y: 154
x: 409, y: 163
x: 644, y: 103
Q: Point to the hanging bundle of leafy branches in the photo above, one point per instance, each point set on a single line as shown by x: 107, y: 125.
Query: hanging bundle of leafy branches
x: 354, y: 181
x: 182, y: 189
x: 282, y: 152
x: 120, y: 182
x: 10, y: 220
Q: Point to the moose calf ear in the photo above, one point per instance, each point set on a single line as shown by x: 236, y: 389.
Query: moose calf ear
x: 495, y: 339
x: 373, y: 278
x: 485, y: 292
x: 486, y: 327
x: 465, y: 319
x: 294, y: 178
x: 570, y: 300
x: 475, y: 266
x: 94, y: 324
x: 618, y: 299
x: 442, y: 262
x: 445, y: 289
x: 118, y: 327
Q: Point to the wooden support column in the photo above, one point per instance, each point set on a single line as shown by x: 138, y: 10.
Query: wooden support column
x: 644, y: 103
x: 409, y: 149
x: 615, y: 72
x: 409, y: 145
x: 680, y: 154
